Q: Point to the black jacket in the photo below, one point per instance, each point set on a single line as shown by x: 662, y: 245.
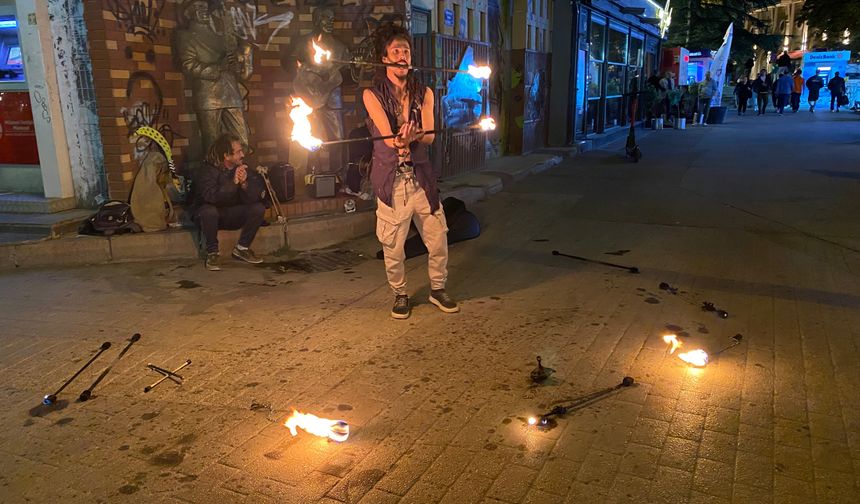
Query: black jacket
x: 744, y: 91
x: 836, y: 85
x: 762, y: 87
x: 214, y: 186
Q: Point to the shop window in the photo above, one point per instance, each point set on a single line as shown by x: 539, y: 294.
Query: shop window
x: 11, y: 59
x: 637, y: 46
x: 594, y: 78
x: 614, y: 108
x: 470, y: 23
x: 614, y: 80
x: 420, y: 21
x: 593, y: 111
x: 597, y: 39
x: 484, y: 34
x: 617, y: 46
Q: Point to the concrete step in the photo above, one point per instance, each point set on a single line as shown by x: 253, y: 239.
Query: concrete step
x: 33, y: 203
x: 42, y: 224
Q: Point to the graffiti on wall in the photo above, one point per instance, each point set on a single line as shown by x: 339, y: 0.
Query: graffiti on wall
x: 138, y: 17
x: 242, y: 21
x: 145, y: 108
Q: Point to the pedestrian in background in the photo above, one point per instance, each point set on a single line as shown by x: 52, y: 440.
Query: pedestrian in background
x: 743, y: 92
x: 761, y: 85
x: 784, y: 85
x: 814, y: 85
x: 797, y: 90
x: 707, y: 90
x: 837, y: 89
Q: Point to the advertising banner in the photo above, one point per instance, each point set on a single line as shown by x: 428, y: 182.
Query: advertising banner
x: 17, y: 134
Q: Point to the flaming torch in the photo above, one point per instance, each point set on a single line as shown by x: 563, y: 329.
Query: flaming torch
x: 698, y: 357
x: 302, y: 125
x: 320, y: 53
x: 485, y: 124
x: 336, y: 430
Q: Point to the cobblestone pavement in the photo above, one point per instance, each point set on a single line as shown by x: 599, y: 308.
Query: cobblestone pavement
x: 759, y: 217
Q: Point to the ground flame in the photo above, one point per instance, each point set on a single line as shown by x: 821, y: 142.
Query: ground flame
x: 336, y: 430
x: 320, y: 53
x: 301, y: 133
x: 479, y: 72
x: 672, y: 340
x: 697, y: 357
x: 487, y: 124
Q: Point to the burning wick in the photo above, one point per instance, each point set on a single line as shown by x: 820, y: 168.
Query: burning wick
x: 487, y: 124
x: 320, y: 53
x: 302, y: 126
x: 697, y: 357
x: 479, y: 72
x: 336, y: 430
x: 672, y: 340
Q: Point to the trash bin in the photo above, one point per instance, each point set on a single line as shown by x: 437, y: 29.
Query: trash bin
x: 717, y: 115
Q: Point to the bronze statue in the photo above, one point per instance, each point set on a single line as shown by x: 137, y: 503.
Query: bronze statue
x: 214, y: 63
x: 319, y: 84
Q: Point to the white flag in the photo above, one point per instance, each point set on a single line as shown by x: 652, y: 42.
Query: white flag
x: 718, y: 66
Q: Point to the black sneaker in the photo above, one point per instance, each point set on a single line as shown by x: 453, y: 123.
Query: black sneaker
x: 246, y: 255
x: 401, y: 308
x: 213, y: 261
x: 443, y: 301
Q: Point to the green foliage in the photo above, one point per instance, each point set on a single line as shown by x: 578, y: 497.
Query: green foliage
x: 833, y: 17
x: 702, y: 24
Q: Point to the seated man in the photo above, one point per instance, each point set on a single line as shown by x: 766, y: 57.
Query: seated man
x: 228, y: 197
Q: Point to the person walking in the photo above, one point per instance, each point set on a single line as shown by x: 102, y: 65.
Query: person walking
x: 761, y: 85
x: 707, y: 90
x: 837, y: 90
x: 668, y: 84
x: 784, y: 86
x: 743, y: 92
x: 796, y: 90
x: 814, y: 85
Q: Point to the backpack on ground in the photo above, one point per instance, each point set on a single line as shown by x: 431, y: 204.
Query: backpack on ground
x: 113, y: 217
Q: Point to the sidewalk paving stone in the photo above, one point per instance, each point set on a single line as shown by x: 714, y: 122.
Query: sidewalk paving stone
x: 438, y: 404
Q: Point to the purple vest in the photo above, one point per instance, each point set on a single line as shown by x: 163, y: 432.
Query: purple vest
x: 384, y: 165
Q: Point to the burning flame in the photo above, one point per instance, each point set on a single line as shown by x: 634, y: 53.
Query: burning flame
x: 697, y: 357
x: 673, y: 340
x: 302, y: 126
x: 532, y: 420
x: 479, y: 72
x: 320, y: 53
x: 487, y: 124
x: 336, y: 430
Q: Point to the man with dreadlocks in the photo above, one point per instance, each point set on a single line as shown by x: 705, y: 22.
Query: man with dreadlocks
x: 402, y: 175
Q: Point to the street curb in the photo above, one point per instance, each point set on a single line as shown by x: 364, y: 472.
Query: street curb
x: 297, y: 234
x: 300, y: 235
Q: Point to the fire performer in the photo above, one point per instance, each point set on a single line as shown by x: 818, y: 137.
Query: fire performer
x: 403, y: 177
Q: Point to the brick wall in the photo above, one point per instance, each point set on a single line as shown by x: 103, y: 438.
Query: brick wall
x: 138, y: 82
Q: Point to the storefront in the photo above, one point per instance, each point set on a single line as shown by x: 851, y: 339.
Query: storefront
x: 621, y: 48
x: 45, y: 85
x: 19, y: 155
x: 615, y: 44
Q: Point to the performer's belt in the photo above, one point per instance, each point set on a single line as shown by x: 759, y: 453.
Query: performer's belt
x: 406, y: 168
